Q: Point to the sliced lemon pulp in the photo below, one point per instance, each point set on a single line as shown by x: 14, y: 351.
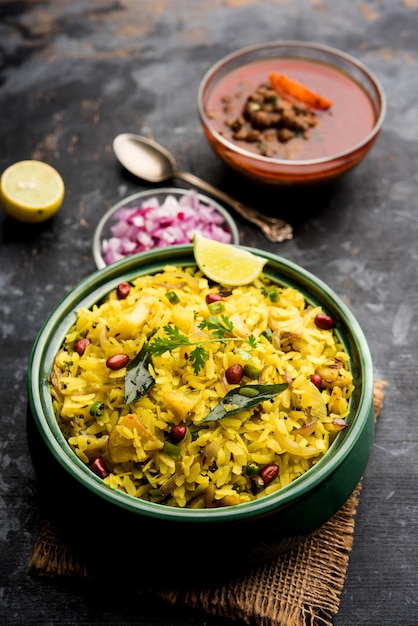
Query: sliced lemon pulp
x: 31, y: 191
x: 225, y: 263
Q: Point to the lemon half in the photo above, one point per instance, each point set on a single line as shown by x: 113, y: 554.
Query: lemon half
x: 31, y: 191
x: 226, y: 264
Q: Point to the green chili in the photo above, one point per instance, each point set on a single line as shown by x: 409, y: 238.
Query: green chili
x: 274, y: 295
x: 172, y: 297
x: 97, y: 409
x: 268, y: 334
x: 251, y: 469
x: 216, y: 307
x: 251, y: 371
x: 171, y: 449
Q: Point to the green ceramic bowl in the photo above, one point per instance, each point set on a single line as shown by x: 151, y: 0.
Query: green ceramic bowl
x: 111, y: 524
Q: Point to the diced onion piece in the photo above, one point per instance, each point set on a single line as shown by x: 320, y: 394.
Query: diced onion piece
x: 155, y: 225
x: 307, y: 429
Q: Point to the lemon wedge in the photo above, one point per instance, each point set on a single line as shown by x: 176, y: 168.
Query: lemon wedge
x: 31, y: 191
x: 226, y: 264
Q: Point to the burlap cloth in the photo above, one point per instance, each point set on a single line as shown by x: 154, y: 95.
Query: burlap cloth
x: 302, y: 586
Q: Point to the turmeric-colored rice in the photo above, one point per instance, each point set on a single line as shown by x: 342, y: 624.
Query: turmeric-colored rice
x: 224, y: 462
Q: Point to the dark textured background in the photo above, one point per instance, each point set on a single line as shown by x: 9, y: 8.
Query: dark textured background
x: 73, y: 74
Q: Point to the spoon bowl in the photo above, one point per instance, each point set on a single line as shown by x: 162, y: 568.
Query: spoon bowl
x: 150, y: 161
x: 144, y: 158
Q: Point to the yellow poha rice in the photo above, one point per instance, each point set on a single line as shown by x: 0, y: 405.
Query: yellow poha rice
x: 217, y: 463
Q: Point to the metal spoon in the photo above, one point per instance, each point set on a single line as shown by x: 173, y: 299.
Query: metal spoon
x: 150, y: 161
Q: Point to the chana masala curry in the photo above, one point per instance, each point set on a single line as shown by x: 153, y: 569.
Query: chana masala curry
x: 293, y: 109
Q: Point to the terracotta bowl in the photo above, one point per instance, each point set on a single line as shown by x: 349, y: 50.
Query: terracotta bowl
x: 338, y: 142
x: 109, y: 526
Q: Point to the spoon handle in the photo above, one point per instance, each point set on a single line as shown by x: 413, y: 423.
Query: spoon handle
x: 274, y: 229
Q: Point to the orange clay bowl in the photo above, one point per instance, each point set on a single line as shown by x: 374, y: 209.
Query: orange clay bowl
x: 344, y: 132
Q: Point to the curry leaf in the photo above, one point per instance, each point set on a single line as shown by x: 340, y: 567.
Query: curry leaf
x: 138, y: 379
x: 243, y: 398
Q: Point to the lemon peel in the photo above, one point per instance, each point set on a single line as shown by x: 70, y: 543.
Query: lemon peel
x: 31, y: 191
x: 226, y: 264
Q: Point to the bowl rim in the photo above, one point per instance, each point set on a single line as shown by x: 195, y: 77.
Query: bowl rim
x: 95, y: 286
x: 146, y: 193
x: 334, y: 52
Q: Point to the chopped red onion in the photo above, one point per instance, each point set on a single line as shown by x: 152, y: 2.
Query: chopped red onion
x: 155, y: 225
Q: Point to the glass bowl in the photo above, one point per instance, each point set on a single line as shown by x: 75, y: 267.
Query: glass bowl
x: 336, y: 144
x: 94, y: 515
x: 178, y: 213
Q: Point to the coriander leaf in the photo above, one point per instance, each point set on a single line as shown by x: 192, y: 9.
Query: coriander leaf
x: 175, y: 335
x: 227, y: 322
x: 161, y: 345
x: 198, y: 358
x: 174, y: 339
x: 219, y: 326
x: 214, y: 325
x: 222, y: 329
